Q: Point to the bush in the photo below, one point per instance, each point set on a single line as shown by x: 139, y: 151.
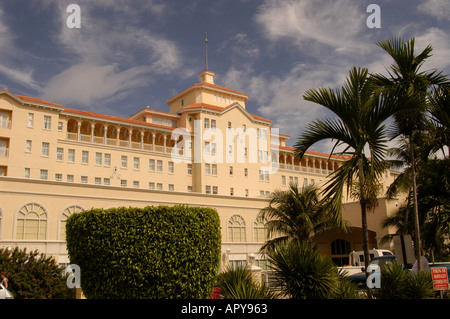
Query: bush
x: 238, y: 283
x: 155, y: 252
x: 33, y: 276
x: 303, y: 272
x: 400, y: 283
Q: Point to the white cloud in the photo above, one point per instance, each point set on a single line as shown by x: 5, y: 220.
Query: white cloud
x: 85, y: 83
x: 310, y: 25
x: 440, y: 42
x: 437, y: 8
x: 109, y: 53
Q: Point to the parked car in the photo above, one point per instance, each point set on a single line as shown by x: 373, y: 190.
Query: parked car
x: 376, y: 263
x: 380, y: 262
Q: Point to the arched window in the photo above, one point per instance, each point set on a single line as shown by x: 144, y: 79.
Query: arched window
x: 31, y: 222
x: 236, y: 229
x: 63, y: 218
x: 259, y: 230
x: 340, y: 250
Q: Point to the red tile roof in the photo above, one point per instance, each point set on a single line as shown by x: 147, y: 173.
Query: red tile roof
x: 315, y: 153
x: 218, y: 108
x: 215, y: 86
x: 114, y: 118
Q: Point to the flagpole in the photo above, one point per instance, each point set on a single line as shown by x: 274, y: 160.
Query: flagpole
x: 206, y: 50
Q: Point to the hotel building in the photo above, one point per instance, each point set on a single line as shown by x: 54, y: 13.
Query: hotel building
x: 206, y: 150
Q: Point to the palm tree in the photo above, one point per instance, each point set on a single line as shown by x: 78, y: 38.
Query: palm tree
x: 439, y: 123
x: 359, y: 126
x: 295, y: 214
x: 411, y: 85
x: 302, y: 272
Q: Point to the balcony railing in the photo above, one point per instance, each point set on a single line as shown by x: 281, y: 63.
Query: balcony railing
x: 290, y: 167
x: 118, y: 142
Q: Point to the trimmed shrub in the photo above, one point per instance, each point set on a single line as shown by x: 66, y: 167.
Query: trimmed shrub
x: 155, y: 252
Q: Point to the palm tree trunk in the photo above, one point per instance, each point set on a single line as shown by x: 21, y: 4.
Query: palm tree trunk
x: 363, y: 204
x: 417, y: 240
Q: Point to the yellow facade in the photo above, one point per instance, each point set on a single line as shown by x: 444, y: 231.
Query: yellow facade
x: 208, y: 150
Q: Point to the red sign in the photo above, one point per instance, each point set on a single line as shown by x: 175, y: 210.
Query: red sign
x: 440, y: 278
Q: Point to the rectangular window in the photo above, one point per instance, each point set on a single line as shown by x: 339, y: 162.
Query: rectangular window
x: 189, y: 189
x: 213, y: 148
x: 171, y: 168
x: 5, y: 121
x: 266, y: 174
x: 71, y: 156
x: 208, y: 189
x: 215, y: 190
x: 98, y: 158
x: 106, y: 181
x: 47, y: 122
x: 60, y: 126
x: 98, y: 181
x: 85, y: 157
x: 151, y: 185
x: 261, y: 175
x: 151, y: 165
x: 214, y: 169
x: 84, y: 179
x: 123, y: 182
x: 30, y: 120
x: 135, y: 184
x: 27, y: 172
x: 213, y: 124
x: 159, y: 186
x: 124, y: 161
x: 189, y: 169
x: 159, y: 166
x: 246, y: 192
x: 207, y: 147
x: 207, y: 169
x: 28, y: 146
x: 45, y: 149
x: 59, y: 154
x: 107, y: 160
x: 70, y: 178
x: 44, y: 174
x: 231, y: 191
x: 246, y: 172
x: 206, y: 123
x: 171, y: 187
x: 136, y: 163
x: 283, y: 180
x: 231, y: 170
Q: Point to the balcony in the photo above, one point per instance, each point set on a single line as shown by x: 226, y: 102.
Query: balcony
x: 116, y: 136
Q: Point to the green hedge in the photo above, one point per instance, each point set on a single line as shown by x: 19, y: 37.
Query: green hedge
x: 155, y: 252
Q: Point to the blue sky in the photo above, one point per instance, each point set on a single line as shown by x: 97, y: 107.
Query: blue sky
x: 129, y: 54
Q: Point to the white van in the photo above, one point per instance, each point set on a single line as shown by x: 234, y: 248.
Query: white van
x: 357, y: 257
